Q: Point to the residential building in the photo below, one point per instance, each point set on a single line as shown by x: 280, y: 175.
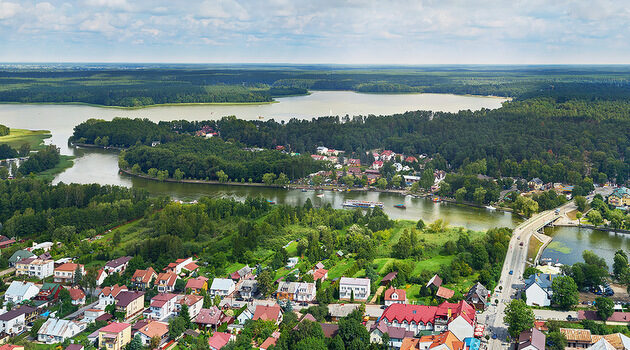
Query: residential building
x: 444, y: 293
x: 296, y: 291
x: 222, y: 287
x: 211, y: 318
x: 55, y: 330
x: 532, y: 339
x: 434, y: 283
x: 142, y: 278
x: 20, y: 255
x: 389, y: 278
x: 130, y: 303
x: 538, y: 289
x: 536, y: 184
x: 339, y: 311
x: 268, y: 313
x: 48, y: 292
x: 77, y: 296
x: 354, y: 288
x: 162, y: 307
x: 320, y: 274
x: 181, y: 265
x: 194, y: 303
x: 219, y: 340
x: 6, y: 242
x: 153, y: 329
x: 90, y: 315
x: 292, y: 261
x: 197, y: 285
x: 114, y: 336
x: 19, y: 291
x: 34, y: 267
x: 74, y: 347
x: 108, y: 295
x: 396, y: 335
x: 477, y: 296
x: 620, y: 197
x: 13, y: 322
x: 45, y: 246
x: 602, y: 344
x: 65, y: 273
x: 11, y: 347
x: 117, y: 265
x: 459, y: 318
x: 248, y: 289
x: 442, y: 341
x: 618, y: 341
x: 101, y: 275
x: 395, y: 296
x: 577, y: 338
x: 165, y: 282
x: 244, y: 272
x: 247, y: 314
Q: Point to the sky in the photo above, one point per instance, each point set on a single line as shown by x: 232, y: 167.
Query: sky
x: 312, y: 31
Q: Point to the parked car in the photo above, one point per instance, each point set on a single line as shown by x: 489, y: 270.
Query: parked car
x: 511, y: 272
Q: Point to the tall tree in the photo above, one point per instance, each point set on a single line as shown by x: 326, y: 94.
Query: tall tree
x: 518, y: 317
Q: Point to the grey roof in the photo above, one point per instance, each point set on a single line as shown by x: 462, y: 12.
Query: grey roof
x: 118, y: 262
x: 19, y: 288
x: 9, y: 315
x: 532, y: 337
x: 544, y: 280
x: 479, y: 290
x: 355, y: 281
x: 341, y: 310
x: 19, y: 255
x: 62, y: 328
x: 601, y: 344
x: 222, y: 284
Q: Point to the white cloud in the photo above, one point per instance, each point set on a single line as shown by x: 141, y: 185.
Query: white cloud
x: 98, y: 23
x: 8, y: 9
x: 114, y: 4
x: 222, y: 9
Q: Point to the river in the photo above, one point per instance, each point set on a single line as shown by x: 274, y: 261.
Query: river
x: 569, y: 243
x: 100, y: 166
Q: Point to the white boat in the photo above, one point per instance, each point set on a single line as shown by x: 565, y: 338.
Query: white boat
x: 489, y: 207
x: 320, y: 195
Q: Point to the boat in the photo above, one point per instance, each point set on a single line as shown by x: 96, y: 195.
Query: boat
x: 352, y: 203
x: 400, y: 206
x: 304, y: 190
x: 436, y: 199
x: 270, y: 201
x: 489, y: 207
x: 320, y: 195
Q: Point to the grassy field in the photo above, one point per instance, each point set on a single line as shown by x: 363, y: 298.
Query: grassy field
x: 18, y: 137
x: 534, y: 246
x: 65, y: 162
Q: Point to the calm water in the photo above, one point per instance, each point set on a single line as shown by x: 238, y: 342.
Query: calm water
x: 101, y: 166
x: 569, y: 243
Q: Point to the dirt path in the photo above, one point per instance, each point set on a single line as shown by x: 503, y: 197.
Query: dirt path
x: 378, y: 292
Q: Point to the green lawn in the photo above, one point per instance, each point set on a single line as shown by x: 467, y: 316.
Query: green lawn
x: 18, y: 137
x: 339, y: 269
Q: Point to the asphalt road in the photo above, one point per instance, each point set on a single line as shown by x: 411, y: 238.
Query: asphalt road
x: 515, y: 260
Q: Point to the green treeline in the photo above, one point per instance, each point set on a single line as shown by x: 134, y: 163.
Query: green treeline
x: 4, y: 130
x: 45, y: 159
x: 35, y: 209
x: 121, y: 132
x: 147, y: 86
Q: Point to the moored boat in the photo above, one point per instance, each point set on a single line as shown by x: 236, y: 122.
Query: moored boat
x: 400, y: 206
x: 362, y: 204
x: 489, y: 207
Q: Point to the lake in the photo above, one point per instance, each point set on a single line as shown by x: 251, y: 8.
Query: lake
x: 100, y: 166
x: 569, y: 243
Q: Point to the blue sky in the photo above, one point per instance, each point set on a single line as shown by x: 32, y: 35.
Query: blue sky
x: 325, y: 31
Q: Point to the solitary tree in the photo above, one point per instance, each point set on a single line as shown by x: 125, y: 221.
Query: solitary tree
x: 605, y: 307
x: 518, y: 317
x: 565, y: 292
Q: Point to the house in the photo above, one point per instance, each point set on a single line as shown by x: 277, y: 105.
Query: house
x: 222, y: 287
x: 114, y: 336
x: 434, y: 283
x: 19, y: 291
x: 270, y: 341
x: 377, y: 164
x: 477, y: 296
x: 617, y: 340
x: 602, y: 344
x: 354, y: 289
x: 219, y: 340
x: 130, y: 303
x: 411, y: 159
x: 77, y: 296
x: 20, y: 255
x: 536, y: 184
x: 101, y: 275
x: 248, y: 289
x: 162, y: 307
x: 577, y: 338
x: 48, y: 292
x: 13, y: 322
x: 65, y: 273
x: 242, y: 273
x: 443, y: 341
x: 291, y: 262
x: 268, y: 313
x: 197, y: 285
x: 389, y: 278
x: 142, y: 278
x: 210, y: 318
x: 90, y: 315
x: 11, y: 347
x: 153, y: 329
x: 6, y: 242
x: 532, y: 339
x: 296, y: 291
x: 395, y: 296
x: 165, y: 282
x: 45, y: 246
x: 396, y: 335
x: 55, y: 330
x: 181, y: 264
x: 320, y: 274
x: 247, y: 314
x: 444, y: 293
x: 194, y: 303
x: 339, y: 311
x: 538, y: 289
x: 108, y: 295
x: 117, y: 265
x: 354, y: 162
x: 34, y: 267
x: 618, y: 318
x: 620, y: 197
x: 459, y: 318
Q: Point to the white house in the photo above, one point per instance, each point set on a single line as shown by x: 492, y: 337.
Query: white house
x: 19, y: 291
x: 247, y: 314
x: 162, y: 307
x: 107, y: 296
x: 538, y: 289
x: 117, y: 265
x: 461, y: 327
x: 13, y: 322
x: 248, y: 288
x: 45, y: 246
x: 90, y: 315
x: 395, y: 296
x: 55, y: 330
x: 291, y: 262
x: 101, y: 275
x: 34, y: 267
x: 222, y: 287
x: 194, y: 303
x: 357, y: 287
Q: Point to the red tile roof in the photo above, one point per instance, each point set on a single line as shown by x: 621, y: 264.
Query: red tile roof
x: 71, y: 267
x: 115, y: 327
x: 410, y: 313
x: 196, y: 283
x: 168, y: 277
x: 76, y: 293
x: 154, y: 329
x: 113, y: 290
x: 219, y: 340
x: 445, y: 293
x: 456, y: 309
x: 319, y: 273
x: 400, y: 292
x: 144, y: 275
x: 267, y: 313
x: 191, y: 267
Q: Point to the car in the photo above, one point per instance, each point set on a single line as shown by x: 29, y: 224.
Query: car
x: 511, y: 272
x: 569, y: 318
x: 494, y: 336
x: 521, y: 244
x: 383, y: 307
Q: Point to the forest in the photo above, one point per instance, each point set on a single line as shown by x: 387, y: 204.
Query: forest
x: 144, y: 86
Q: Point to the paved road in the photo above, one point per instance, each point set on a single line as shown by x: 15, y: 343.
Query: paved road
x: 515, y: 262
x: 80, y: 312
x: 554, y: 315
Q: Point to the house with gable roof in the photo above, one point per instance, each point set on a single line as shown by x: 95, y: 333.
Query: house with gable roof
x: 395, y: 296
x: 197, y: 285
x: 620, y: 197
x: 477, y: 296
x: 531, y: 339
x: 243, y: 272
x: 19, y: 291
x: 142, y: 278
x: 108, y: 295
x: 194, y: 303
x: 268, y: 313
x: 222, y: 287
x: 118, y: 265
x: 55, y: 330
x: 114, y: 336
x: 153, y: 329
x: 162, y: 307
x: 538, y: 289
x: 396, y: 335
x: 165, y: 282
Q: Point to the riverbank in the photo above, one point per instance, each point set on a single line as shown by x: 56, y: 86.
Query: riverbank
x: 592, y: 227
x: 65, y: 162
x: 145, y: 106
x: 18, y: 137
